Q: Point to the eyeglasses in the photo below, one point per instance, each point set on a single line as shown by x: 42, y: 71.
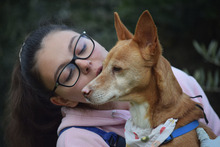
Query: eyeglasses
x: 70, y: 73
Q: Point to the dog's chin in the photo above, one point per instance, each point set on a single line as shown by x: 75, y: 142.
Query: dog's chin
x: 99, y: 101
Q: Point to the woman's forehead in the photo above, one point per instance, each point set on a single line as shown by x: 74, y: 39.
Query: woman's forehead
x: 58, y: 36
x: 56, y: 42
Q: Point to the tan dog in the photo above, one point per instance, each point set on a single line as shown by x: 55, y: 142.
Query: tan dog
x: 136, y: 71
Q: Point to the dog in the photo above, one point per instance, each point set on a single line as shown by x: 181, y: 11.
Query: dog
x: 136, y: 71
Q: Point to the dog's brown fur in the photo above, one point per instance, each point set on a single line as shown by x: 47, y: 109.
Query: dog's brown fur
x: 136, y: 71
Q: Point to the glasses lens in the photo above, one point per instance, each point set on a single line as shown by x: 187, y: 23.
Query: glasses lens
x: 69, y: 75
x: 84, y: 47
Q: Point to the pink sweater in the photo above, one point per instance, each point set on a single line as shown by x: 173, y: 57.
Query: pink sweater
x: 114, y: 120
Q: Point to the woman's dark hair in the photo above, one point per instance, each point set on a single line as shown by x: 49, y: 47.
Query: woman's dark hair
x: 32, y: 120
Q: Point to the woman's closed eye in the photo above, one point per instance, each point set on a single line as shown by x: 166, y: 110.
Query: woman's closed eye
x: 83, y: 49
x: 69, y: 75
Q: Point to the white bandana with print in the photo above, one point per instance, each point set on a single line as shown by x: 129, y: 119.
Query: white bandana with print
x: 138, y: 137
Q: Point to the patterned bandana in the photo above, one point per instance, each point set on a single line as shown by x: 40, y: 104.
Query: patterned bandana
x: 138, y: 137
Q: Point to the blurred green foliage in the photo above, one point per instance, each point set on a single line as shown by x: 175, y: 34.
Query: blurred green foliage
x: 208, y: 79
x: 210, y: 54
x: 178, y: 22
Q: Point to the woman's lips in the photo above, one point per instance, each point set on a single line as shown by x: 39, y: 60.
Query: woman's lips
x: 99, y: 71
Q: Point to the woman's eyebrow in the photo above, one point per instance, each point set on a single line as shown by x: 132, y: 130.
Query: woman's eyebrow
x: 62, y: 65
x: 71, y: 43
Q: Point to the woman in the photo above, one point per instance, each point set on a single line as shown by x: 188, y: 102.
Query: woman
x: 55, y: 64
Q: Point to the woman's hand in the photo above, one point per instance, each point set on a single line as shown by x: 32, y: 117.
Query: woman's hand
x: 205, y: 140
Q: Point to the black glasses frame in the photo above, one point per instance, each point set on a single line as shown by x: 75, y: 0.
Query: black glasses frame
x: 73, y: 62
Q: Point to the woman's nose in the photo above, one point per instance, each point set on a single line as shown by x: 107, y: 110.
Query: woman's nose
x: 84, y: 65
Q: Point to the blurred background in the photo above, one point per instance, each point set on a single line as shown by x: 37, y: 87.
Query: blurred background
x: 189, y: 32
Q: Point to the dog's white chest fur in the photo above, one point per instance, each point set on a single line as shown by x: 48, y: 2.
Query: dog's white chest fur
x: 139, y: 115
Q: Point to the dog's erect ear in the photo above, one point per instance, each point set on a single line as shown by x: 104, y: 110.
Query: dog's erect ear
x: 122, y: 32
x: 146, y: 34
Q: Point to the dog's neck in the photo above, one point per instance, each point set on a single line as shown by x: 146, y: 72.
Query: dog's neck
x: 163, y: 99
x: 141, y: 104
x: 138, y: 113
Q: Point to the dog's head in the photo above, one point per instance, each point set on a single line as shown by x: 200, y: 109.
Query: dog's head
x: 127, y: 70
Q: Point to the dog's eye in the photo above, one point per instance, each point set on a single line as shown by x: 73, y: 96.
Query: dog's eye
x: 116, y: 69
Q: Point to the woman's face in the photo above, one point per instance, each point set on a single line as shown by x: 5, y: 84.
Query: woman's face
x: 56, y: 53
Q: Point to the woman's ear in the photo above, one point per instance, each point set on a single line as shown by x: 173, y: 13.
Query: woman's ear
x: 57, y: 100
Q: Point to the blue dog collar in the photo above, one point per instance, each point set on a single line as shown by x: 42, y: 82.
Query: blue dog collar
x: 182, y: 130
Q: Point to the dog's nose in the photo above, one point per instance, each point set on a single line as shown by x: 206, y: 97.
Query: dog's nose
x: 86, y: 92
